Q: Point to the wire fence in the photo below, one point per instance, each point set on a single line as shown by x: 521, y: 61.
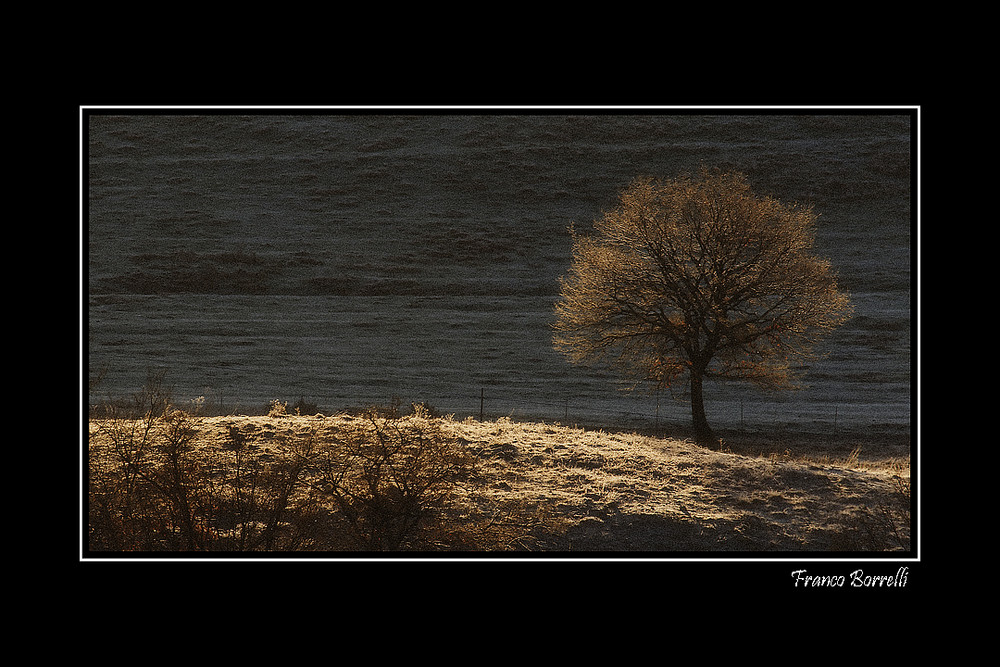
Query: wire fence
x: 648, y: 412
x: 496, y: 404
x: 657, y: 412
x: 488, y: 404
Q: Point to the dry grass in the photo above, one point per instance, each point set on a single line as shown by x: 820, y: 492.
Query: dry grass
x: 545, y: 487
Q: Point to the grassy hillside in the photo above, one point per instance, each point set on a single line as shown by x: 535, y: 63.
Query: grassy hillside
x: 282, y: 482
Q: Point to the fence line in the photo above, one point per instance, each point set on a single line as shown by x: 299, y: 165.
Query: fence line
x: 491, y: 404
x: 564, y: 410
x: 487, y: 404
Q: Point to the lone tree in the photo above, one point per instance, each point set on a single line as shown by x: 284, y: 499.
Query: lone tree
x: 696, y: 278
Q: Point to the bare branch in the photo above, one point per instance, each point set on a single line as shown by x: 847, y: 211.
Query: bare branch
x: 698, y: 277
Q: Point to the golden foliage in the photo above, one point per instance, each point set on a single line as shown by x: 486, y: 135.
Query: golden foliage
x: 698, y: 274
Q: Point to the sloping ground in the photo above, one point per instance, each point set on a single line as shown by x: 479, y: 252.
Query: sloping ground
x: 627, y: 492
x: 554, y: 488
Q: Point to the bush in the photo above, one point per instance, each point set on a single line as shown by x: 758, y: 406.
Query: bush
x: 371, y: 486
x: 390, y: 474
x: 149, y: 492
x: 884, y: 526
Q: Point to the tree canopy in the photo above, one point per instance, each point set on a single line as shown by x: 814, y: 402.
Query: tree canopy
x: 698, y: 277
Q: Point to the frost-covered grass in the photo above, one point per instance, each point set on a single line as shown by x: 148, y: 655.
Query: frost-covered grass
x: 522, y: 488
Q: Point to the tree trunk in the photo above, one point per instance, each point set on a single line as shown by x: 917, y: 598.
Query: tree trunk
x: 703, y: 433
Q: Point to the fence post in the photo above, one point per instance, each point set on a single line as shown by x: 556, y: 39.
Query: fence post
x: 481, y: 392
